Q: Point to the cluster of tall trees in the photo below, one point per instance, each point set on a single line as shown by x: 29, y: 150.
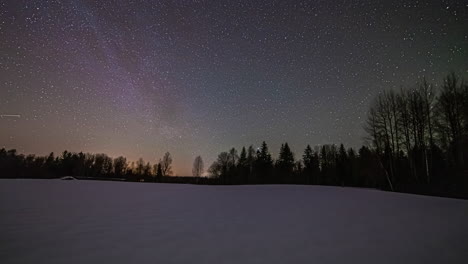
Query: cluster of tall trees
x: 417, y: 142
x: 327, y: 165
x: 420, y: 135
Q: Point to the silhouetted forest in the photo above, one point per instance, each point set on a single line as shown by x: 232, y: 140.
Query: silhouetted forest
x: 417, y: 142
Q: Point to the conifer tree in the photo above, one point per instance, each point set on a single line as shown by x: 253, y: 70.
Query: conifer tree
x: 285, y: 163
x: 264, y: 163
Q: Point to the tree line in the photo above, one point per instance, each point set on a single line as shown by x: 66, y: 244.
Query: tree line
x: 325, y: 165
x: 84, y: 165
x: 417, y: 142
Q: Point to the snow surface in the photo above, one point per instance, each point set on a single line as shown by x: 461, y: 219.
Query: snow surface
x: 53, y: 221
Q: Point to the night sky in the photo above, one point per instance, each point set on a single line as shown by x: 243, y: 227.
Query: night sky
x: 139, y: 78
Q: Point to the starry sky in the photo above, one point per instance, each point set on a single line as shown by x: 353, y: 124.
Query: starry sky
x: 139, y: 78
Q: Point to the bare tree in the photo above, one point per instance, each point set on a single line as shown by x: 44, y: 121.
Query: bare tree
x: 383, y: 126
x: 198, y: 167
x: 450, y: 104
x: 166, y: 164
x: 428, y: 98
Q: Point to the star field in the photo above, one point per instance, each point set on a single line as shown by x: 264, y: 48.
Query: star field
x: 139, y: 78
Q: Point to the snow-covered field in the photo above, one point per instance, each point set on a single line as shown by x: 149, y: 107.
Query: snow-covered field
x: 53, y: 221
